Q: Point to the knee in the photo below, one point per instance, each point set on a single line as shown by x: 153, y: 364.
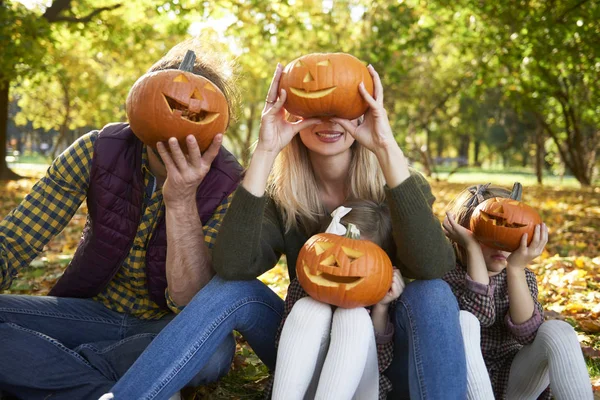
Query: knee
x: 218, y: 365
x: 470, y: 328
x: 223, y: 292
x: 557, y: 333
x: 309, y: 309
x: 356, y: 319
x: 468, y: 320
x: 434, y: 294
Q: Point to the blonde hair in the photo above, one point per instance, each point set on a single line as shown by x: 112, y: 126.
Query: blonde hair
x: 465, y: 203
x: 293, y: 186
x: 210, y: 64
x: 372, y: 220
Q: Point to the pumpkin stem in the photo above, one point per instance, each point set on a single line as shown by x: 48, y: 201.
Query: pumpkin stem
x: 188, y: 61
x: 352, y: 232
x: 517, y: 191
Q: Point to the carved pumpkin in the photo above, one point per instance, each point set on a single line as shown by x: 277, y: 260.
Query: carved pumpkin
x: 344, y: 270
x: 176, y: 103
x: 326, y: 85
x: 500, y: 223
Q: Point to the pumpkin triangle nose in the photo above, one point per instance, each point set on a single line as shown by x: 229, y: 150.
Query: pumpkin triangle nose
x: 308, y: 78
x: 196, y: 95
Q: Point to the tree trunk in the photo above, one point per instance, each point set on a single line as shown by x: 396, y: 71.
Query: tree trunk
x: 463, y: 148
x: 5, y: 172
x: 476, y: 153
x: 540, y: 153
x: 440, y: 144
x: 246, y: 154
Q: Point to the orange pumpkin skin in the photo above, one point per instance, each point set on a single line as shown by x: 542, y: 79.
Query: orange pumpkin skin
x: 175, y: 103
x: 500, y: 223
x: 344, y: 272
x: 326, y: 85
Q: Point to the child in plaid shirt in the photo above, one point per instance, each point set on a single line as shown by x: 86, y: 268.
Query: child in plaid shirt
x: 522, y: 353
x: 338, y: 354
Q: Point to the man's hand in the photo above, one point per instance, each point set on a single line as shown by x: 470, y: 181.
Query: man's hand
x: 185, y: 173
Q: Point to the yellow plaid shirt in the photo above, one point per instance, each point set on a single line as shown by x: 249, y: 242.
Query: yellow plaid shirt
x: 52, y: 203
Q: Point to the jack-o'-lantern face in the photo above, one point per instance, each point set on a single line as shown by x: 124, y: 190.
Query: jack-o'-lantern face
x: 326, y: 85
x: 500, y: 223
x: 342, y: 271
x: 175, y: 103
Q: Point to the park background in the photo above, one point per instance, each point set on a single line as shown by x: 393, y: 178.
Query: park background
x: 476, y: 91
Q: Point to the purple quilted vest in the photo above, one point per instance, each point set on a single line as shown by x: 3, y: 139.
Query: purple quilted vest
x: 115, y: 205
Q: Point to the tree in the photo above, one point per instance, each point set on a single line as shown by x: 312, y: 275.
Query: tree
x: 24, y: 36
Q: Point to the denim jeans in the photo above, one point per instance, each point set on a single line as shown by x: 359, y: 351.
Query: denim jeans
x: 186, y: 345
x: 429, y: 357
x: 66, y: 348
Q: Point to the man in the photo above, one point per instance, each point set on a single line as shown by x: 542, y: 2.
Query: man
x: 145, y: 253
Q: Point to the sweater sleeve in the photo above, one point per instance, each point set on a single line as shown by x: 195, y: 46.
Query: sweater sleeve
x: 474, y: 297
x: 250, y: 239
x: 525, y: 333
x: 422, y: 249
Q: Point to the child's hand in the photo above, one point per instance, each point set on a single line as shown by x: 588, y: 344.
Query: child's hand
x: 396, y: 288
x: 456, y: 232
x: 521, y: 257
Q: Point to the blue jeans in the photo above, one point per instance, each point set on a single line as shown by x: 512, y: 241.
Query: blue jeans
x: 429, y: 356
x: 186, y: 345
x: 67, y: 348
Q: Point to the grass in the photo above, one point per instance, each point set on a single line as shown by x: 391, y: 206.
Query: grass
x: 593, y: 365
x: 506, y: 177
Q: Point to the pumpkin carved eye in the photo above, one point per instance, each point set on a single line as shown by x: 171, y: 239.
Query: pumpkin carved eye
x: 325, y: 63
x: 181, y: 78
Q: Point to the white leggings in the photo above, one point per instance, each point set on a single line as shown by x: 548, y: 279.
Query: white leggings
x: 554, y: 358
x: 321, y: 359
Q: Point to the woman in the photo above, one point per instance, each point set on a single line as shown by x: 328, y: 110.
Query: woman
x: 313, y: 173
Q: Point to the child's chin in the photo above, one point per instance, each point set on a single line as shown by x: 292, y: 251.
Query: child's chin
x: 496, y: 267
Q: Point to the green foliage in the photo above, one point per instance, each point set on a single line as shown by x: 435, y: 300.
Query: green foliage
x: 23, y: 39
x: 455, y: 73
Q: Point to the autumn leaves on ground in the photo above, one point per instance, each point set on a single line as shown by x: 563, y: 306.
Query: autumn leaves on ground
x: 568, y: 272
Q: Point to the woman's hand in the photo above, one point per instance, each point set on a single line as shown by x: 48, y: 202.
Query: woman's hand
x: 374, y: 132
x: 456, y: 232
x: 185, y: 173
x: 275, y: 132
x: 521, y: 257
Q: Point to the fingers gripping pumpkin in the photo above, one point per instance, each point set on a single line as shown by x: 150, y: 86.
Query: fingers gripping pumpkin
x: 344, y: 270
x: 500, y: 222
x: 176, y: 103
x: 326, y: 85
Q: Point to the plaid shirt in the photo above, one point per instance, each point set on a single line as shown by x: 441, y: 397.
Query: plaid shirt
x: 501, y: 339
x: 385, y: 343
x: 49, y: 207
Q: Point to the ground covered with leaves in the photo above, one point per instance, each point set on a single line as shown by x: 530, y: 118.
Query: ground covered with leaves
x: 568, y: 273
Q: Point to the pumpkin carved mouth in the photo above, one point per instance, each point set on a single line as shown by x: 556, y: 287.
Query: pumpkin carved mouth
x: 500, y: 221
x: 182, y: 110
x: 324, y: 279
x: 312, y: 95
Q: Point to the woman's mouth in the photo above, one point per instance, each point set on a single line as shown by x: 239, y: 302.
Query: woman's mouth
x: 498, y: 257
x: 329, y: 136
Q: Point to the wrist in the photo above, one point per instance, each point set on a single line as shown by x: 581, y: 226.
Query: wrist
x: 514, y: 271
x: 380, y: 308
x: 265, y: 153
x: 182, y: 206
x: 393, y: 163
x: 388, y: 152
